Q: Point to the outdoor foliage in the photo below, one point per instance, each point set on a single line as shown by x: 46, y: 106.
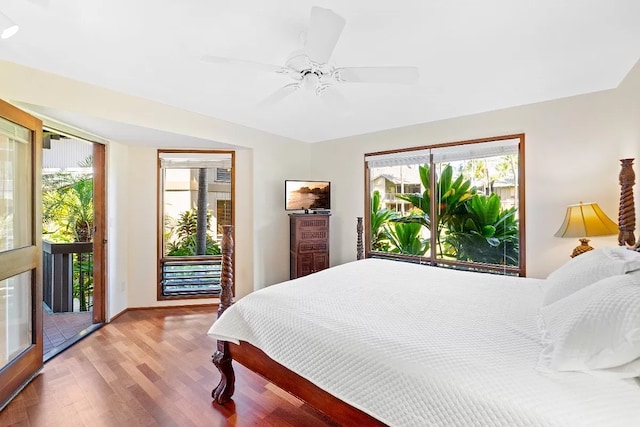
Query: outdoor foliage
x: 182, y: 240
x: 486, y: 233
x: 470, y: 226
x: 379, y: 217
x: 453, y: 194
x: 405, y: 238
x: 68, y: 209
x: 83, y: 280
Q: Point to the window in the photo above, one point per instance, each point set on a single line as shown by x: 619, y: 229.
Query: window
x: 457, y: 204
x: 194, y: 205
x: 223, y: 174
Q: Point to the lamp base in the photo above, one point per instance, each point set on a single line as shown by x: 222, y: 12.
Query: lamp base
x: 581, y: 248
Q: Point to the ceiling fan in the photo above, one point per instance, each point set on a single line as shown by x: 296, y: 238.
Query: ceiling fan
x: 310, y: 67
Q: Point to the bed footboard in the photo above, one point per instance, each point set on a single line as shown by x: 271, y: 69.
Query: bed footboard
x: 222, y: 357
x: 255, y: 360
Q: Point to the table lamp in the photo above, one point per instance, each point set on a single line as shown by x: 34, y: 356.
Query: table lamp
x: 585, y: 220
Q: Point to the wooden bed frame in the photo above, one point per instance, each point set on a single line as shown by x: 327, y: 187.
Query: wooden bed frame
x: 257, y: 361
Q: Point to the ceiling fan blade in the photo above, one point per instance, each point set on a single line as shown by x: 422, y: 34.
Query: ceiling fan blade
x: 279, y: 95
x: 325, y: 27
x: 243, y: 63
x: 402, y: 75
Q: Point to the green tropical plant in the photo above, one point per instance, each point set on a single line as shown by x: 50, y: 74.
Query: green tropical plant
x: 68, y: 210
x: 184, y: 236
x: 486, y: 233
x: 405, y: 238
x: 379, y: 217
x: 451, y: 201
x: 83, y: 280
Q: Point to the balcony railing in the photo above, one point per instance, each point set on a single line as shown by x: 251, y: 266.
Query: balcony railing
x: 67, y: 277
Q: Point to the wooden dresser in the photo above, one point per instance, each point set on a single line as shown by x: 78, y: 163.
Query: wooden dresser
x: 309, y: 244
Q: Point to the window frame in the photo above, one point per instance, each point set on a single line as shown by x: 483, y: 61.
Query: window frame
x: 161, y: 259
x: 432, y: 259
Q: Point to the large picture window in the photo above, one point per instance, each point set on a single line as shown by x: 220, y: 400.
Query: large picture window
x: 196, y: 200
x: 456, y: 204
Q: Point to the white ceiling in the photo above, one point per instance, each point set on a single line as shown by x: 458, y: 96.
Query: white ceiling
x: 473, y: 56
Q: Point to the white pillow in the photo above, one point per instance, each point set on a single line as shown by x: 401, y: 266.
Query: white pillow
x: 622, y: 372
x: 588, y: 268
x: 597, y: 327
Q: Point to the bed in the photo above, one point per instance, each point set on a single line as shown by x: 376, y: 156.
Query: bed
x: 435, y: 346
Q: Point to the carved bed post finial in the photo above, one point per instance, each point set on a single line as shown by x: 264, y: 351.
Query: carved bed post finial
x: 626, y: 212
x: 222, y: 359
x: 359, y: 245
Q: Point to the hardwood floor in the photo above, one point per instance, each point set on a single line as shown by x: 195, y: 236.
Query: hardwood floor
x: 150, y: 368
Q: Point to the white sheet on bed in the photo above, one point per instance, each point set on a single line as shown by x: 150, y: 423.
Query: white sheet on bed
x: 416, y: 346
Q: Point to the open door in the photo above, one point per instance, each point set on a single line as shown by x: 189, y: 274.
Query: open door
x: 74, y: 221
x: 20, y: 250
x: 99, y: 235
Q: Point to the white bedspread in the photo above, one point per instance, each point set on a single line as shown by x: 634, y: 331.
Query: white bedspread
x: 419, y: 346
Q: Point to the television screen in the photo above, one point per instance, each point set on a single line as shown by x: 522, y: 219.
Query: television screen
x: 301, y: 195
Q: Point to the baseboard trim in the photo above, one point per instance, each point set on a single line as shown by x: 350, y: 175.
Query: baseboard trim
x: 114, y: 317
x: 212, y: 304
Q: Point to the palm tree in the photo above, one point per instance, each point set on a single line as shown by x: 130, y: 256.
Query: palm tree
x: 201, y: 220
x: 71, y: 206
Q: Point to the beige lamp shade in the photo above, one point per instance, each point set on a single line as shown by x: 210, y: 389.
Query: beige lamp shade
x: 585, y: 220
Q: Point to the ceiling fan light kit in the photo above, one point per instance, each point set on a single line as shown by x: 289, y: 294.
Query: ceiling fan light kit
x: 311, y: 68
x: 7, y: 27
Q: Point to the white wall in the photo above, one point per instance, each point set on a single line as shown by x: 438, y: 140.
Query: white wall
x: 572, y: 150
x: 628, y: 133
x: 271, y: 223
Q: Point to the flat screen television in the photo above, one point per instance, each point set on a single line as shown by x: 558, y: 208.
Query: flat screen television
x: 307, y: 195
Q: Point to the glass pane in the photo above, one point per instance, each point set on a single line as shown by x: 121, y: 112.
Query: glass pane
x: 15, y: 316
x: 191, y: 180
x: 15, y: 186
x: 477, y: 210
x: 400, y: 210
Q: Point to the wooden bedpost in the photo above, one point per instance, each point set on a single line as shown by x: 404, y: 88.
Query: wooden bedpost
x: 222, y: 359
x: 359, y: 245
x: 626, y: 211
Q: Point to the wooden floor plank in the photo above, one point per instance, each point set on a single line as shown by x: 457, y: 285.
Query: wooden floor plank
x: 150, y: 368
